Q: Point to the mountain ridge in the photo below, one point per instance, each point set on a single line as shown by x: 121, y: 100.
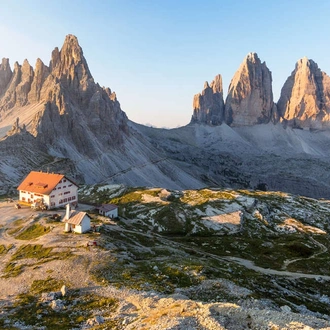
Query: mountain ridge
x: 304, y: 101
x: 74, y: 121
x: 57, y: 118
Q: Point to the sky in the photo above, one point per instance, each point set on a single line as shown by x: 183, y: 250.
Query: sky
x: 156, y: 54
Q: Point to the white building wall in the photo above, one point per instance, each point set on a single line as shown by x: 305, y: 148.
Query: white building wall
x: 112, y: 213
x: 85, y: 225
x: 65, y: 192
x: 30, y: 197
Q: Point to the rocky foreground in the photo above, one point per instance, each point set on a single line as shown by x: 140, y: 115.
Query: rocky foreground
x: 195, y: 259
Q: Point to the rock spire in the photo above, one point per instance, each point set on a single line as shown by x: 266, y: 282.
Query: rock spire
x: 250, y: 97
x: 305, y: 97
x: 209, y: 105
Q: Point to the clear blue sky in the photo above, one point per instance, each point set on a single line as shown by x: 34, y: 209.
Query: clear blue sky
x: 156, y: 54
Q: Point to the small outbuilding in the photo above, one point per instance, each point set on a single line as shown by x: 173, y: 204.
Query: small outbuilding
x: 108, y: 210
x: 78, y: 222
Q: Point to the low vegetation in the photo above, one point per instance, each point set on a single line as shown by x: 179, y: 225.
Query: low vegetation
x: 77, y: 309
x: 47, y: 285
x: 18, y: 262
x: 34, y: 231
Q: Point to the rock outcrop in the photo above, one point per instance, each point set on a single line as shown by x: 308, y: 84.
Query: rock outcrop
x: 209, y: 105
x: 250, y: 97
x: 305, y: 97
x: 5, y: 74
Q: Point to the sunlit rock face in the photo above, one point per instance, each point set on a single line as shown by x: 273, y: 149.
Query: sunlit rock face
x: 250, y: 97
x: 305, y: 97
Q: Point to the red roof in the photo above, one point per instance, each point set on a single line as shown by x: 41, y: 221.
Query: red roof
x: 41, y: 182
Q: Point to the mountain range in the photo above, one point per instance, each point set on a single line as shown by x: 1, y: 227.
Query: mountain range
x: 56, y: 118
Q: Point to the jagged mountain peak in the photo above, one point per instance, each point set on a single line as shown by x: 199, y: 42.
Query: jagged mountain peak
x: 307, y: 65
x: 250, y: 96
x: 70, y: 65
x: 206, y: 85
x: 71, y: 49
x: 216, y: 84
x: 4, y: 63
x: 252, y: 57
x: 305, y: 97
x: 209, y: 105
x: 5, y: 74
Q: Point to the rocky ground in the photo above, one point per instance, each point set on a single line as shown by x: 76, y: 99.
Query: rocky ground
x: 138, y: 279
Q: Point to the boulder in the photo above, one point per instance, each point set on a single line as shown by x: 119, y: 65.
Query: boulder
x: 64, y: 290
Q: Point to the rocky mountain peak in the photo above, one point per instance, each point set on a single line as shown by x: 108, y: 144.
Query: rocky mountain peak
x: 208, y: 106
x: 250, y: 96
x: 216, y: 84
x: 252, y: 58
x: 305, y: 97
x: 5, y: 74
x: 67, y: 88
x: 70, y: 66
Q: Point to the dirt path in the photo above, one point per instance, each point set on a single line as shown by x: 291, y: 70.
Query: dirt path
x: 323, y: 249
x: 244, y: 262
x: 250, y: 265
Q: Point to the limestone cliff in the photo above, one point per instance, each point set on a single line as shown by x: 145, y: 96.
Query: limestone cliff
x: 5, y: 74
x: 68, y: 104
x: 250, y: 97
x: 305, y: 97
x: 209, y: 105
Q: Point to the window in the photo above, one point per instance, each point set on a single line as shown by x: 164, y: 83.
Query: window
x: 65, y: 200
x: 52, y: 204
x: 23, y: 198
x: 66, y: 192
x: 64, y: 187
x: 52, y: 196
x: 73, y: 197
x: 64, y: 180
x: 58, y: 187
x: 70, y: 185
x: 60, y: 194
x: 69, y: 198
x: 60, y: 201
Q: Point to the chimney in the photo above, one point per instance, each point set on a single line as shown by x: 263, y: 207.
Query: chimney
x: 67, y: 214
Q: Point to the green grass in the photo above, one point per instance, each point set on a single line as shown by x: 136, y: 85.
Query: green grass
x: 79, y: 307
x: 29, y: 251
x: 14, y: 230
x: 32, y: 251
x: 34, y: 231
x: 4, y: 249
x: 12, y: 270
x: 198, y: 197
x: 162, y: 275
x: 48, y: 285
x: 135, y: 196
